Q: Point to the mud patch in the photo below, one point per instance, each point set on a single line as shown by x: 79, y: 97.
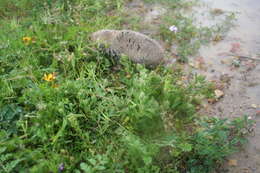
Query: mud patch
x: 238, y: 78
x: 242, y: 97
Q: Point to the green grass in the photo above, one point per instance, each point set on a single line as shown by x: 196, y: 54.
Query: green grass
x: 92, y: 118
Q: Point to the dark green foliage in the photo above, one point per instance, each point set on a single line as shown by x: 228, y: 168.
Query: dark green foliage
x: 9, y: 115
x: 92, y: 117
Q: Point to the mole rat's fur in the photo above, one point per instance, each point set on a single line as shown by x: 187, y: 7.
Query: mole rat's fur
x: 138, y: 47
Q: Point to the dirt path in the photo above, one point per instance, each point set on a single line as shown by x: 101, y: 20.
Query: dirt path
x: 239, y: 78
x: 242, y: 94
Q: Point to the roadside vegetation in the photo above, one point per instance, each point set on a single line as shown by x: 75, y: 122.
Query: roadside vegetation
x: 64, y: 108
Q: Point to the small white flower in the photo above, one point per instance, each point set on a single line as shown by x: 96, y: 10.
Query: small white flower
x: 173, y: 29
x: 250, y: 118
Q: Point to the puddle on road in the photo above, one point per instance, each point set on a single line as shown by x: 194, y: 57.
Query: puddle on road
x: 245, y: 32
x: 247, y: 25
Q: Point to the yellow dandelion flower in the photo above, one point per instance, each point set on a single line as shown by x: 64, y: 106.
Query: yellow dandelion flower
x: 49, y: 77
x: 27, y: 40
